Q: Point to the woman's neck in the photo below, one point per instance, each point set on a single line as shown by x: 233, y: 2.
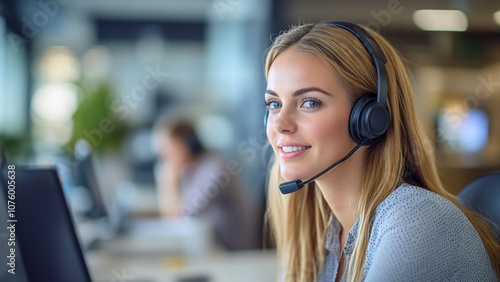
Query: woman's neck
x: 341, y: 188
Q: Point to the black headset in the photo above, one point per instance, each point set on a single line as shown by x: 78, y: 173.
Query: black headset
x: 194, y: 144
x: 369, y: 118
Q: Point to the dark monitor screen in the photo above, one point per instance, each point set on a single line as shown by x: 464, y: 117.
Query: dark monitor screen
x: 45, y: 233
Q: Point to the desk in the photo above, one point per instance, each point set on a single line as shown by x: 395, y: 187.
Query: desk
x: 175, y: 250
x: 241, y: 266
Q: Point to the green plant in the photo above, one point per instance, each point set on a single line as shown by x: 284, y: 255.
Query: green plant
x: 94, y: 120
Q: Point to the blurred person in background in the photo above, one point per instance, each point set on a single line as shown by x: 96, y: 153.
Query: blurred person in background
x: 193, y: 181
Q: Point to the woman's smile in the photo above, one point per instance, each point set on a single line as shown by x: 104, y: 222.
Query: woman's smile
x: 290, y: 150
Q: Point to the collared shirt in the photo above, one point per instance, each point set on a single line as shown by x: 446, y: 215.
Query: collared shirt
x: 416, y: 235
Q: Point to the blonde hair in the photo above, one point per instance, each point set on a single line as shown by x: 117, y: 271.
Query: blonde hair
x: 299, y: 221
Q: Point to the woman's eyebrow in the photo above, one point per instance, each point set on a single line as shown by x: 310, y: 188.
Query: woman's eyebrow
x: 271, y: 92
x: 301, y: 91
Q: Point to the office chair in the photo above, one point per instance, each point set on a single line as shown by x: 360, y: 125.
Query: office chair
x: 483, y: 195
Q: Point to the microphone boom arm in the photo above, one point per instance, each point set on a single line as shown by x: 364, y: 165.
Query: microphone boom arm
x: 295, y: 185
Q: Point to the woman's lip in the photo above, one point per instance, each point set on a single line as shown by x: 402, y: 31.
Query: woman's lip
x: 290, y: 155
x: 291, y: 144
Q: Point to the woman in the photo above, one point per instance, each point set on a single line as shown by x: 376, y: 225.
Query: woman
x: 193, y: 181
x: 382, y: 214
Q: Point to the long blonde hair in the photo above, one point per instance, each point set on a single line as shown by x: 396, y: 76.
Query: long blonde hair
x: 299, y: 221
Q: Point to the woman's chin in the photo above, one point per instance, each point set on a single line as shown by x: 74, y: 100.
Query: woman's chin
x: 289, y: 175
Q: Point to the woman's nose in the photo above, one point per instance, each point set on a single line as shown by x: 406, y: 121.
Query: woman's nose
x: 284, y: 123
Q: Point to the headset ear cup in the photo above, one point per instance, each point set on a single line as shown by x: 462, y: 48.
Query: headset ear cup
x: 369, y: 120
x: 194, y: 144
x: 355, y: 120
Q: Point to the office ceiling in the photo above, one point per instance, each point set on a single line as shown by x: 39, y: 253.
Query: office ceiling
x: 478, y: 45
x: 479, y: 12
x: 144, y: 9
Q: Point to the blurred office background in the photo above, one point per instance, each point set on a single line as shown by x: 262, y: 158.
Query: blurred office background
x: 105, y: 70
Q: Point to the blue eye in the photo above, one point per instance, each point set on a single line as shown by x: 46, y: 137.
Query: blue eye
x: 272, y: 104
x: 311, y: 103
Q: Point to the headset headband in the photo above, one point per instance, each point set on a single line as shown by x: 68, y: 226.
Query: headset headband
x: 376, y: 53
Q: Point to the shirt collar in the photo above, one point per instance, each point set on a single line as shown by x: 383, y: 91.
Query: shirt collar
x: 351, y: 238
x: 333, y: 234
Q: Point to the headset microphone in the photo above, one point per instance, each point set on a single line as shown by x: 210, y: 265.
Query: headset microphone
x: 296, y: 185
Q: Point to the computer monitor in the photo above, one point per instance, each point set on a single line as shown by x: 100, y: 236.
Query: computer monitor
x: 44, y: 228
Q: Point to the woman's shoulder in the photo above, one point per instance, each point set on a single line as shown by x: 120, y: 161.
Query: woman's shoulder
x: 417, y: 212
x: 415, y: 206
x: 410, y: 199
x: 414, y: 226
x: 418, y: 235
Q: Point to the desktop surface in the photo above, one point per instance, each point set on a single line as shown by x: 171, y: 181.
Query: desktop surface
x: 241, y: 266
x: 176, y: 250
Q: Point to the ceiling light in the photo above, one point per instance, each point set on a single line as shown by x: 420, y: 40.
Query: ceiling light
x: 496, y: 17
x: 440, y: 20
